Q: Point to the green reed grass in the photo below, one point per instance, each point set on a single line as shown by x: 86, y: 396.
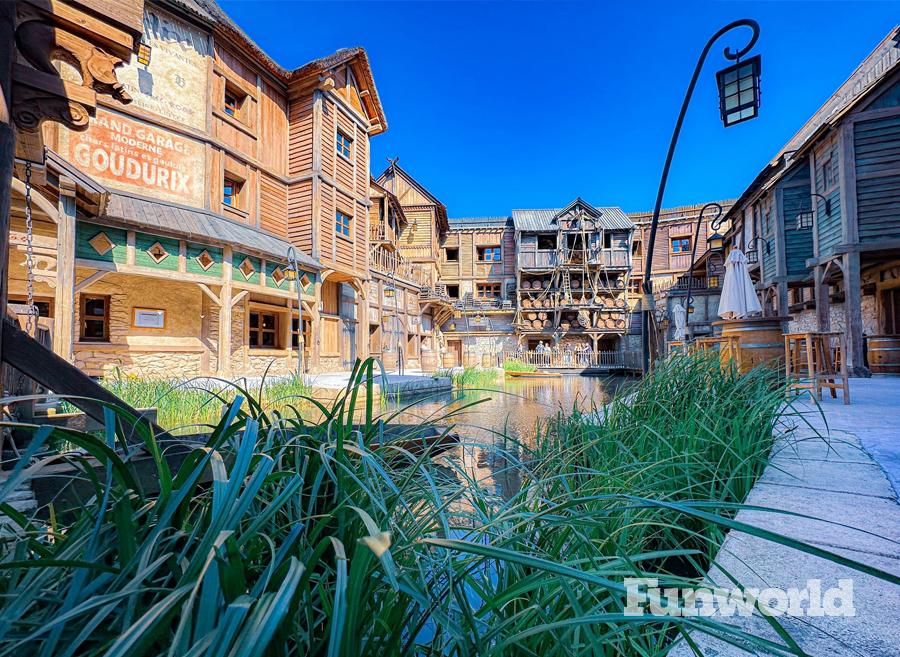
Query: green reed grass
x: 511, y: 365
x: 188, y: 406
x: 473, y: 377
x: 284, y: 536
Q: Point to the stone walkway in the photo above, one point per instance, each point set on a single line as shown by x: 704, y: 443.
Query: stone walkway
x: 413, y: 383
x: 837, y: 480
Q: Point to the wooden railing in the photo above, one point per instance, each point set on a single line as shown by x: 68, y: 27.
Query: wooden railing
x: 394, y: 264
x: 546, y: 259
x: 415, y: 251
x: 612, y: 258
x: 562, y: 358
x: 537, y: 259
x: 381, y: 232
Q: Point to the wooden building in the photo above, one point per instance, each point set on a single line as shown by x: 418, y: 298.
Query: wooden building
x: 822, y: 219
x: 675, y: 237
x: 573, y: 267
x: 162, y: 226
x: 478, y: 271
x: 403, y: 300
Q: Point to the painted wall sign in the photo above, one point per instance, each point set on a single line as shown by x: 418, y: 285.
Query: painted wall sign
x: 174, y: 85
x: 134, y: 156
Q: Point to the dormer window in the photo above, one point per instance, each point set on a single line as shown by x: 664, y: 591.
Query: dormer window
x: 344, y: 145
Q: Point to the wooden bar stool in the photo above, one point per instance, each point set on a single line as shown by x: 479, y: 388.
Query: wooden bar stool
x: 729, y: 347
x: 815, y: 360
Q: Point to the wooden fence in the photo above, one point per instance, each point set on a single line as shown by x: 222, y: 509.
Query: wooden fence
x: 563, y: 358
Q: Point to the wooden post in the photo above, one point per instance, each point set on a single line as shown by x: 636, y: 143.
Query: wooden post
x: 362, y: 321
x: 853, y: 314
x: 64, y: 306
x: 224, y: 358
x: 823, y: 302
x: 315, y: 329
x: 7, y: 143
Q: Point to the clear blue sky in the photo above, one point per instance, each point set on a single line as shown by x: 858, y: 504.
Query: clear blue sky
x: 494, y: 106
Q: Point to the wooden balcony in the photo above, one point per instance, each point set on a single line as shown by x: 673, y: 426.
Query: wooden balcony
x: 381, y: 232
x: 416, y: 252
x: 393, y: 264
x: 610, y: 258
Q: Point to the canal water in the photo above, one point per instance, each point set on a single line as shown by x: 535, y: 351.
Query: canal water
x: 511, y: 407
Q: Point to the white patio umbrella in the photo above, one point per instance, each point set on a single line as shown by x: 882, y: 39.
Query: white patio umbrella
x: 738, y: 295
x: 679, y: 317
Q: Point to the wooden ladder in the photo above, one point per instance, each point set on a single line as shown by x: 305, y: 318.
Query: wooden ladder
x: 566, y: 286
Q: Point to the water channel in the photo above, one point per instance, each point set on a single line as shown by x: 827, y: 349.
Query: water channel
x: 510, y: 407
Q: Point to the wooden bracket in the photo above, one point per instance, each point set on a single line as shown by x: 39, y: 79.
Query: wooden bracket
x: 238, y: 298
x: 90, y: 280
x: 214, y: 297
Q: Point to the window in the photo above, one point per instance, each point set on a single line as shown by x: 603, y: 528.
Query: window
x: 488, y: 290
x: 44, y: 307
x: 263, y: 330
x: 233, y: 102
x: 827, y: 174
x: 546, y: 242
x: 489, y: 254
x: 452, y: 255
x: 344, y: 145
x: 342, y: 223
x: 94, y: 318
x: 681, y: 245
x: 231, y: 192
x: 637, y: 249
x: 453, y: 291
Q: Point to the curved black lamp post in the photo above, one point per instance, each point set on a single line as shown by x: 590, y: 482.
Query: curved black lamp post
x: 736, y: 104
x: 714, y: 243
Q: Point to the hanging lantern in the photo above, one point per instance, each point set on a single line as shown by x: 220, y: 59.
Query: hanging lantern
x: 715, y: 242
x: 739, y: 91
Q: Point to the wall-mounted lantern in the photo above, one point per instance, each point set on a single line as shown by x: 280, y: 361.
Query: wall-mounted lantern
x: 715, y: 242
x: 739, y: 91
x: 805, y: 218
x: 753, y: 253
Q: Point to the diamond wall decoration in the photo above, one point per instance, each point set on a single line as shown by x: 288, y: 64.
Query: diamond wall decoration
x: 247, y: 268
x: 205, y: 260
x: 157, y: 253
x: 101, y: 243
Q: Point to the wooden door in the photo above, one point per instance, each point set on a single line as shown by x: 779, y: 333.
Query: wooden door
x: 890, y: 315
x: 455, y: 348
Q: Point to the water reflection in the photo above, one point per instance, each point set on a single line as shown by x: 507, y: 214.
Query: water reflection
x: 485, y: 418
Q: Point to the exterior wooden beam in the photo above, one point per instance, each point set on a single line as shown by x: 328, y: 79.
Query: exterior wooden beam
x: 64, y: 305
x: 90, y: 280
x: 853, y: 315
x: 223, y: 364
x: 212, y: 295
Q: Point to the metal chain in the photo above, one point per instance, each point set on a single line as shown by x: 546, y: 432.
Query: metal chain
x: 29, y: 249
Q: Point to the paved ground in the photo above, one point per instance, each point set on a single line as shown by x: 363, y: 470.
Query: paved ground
x: 834, y: 479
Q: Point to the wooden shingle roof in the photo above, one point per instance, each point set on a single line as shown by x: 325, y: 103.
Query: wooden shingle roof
x: 160, y: 217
